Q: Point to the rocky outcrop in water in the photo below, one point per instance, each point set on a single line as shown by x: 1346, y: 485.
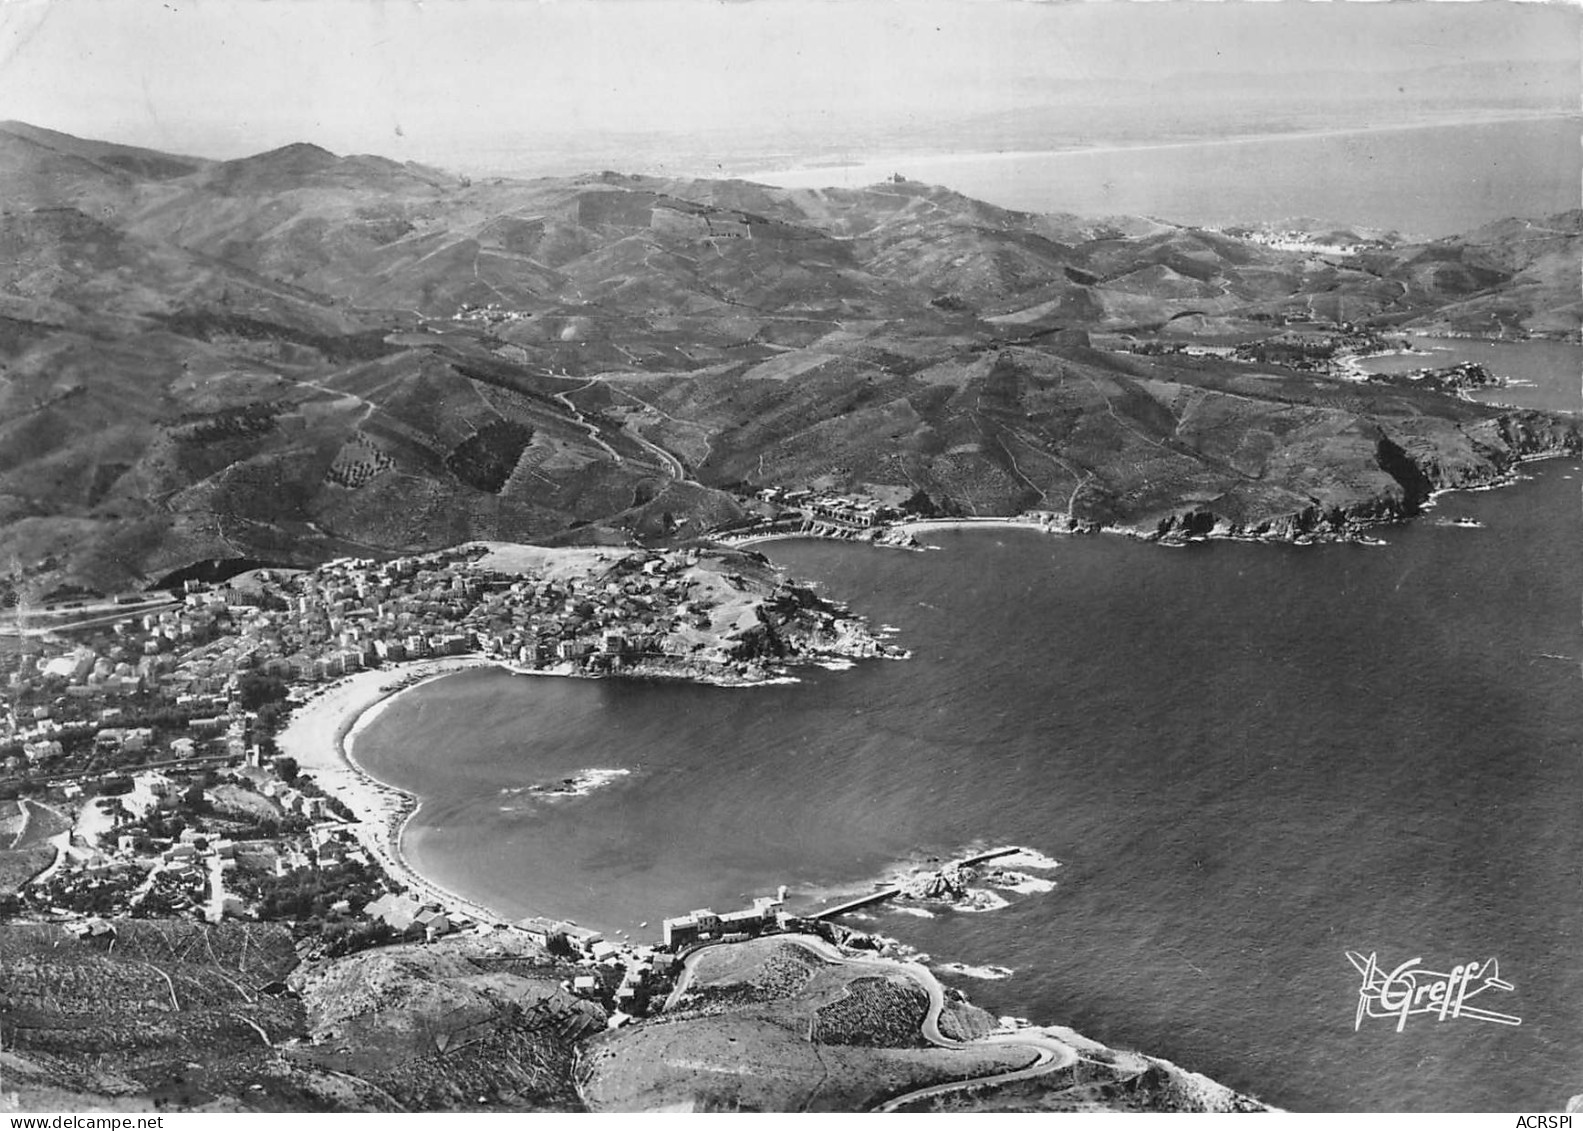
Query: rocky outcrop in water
x: 948, y: 883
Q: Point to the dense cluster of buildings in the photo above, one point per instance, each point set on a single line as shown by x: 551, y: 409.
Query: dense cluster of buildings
x: 172, y: 682
x: 706, y: 926
x: 148, y: 736
x: 353, y: 614
x: 168, y: 846
x: 852, y: 510
x: 1311, y: 243
x: 489, y: 314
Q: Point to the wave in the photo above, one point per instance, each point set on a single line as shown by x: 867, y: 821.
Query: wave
x: 981, y: 899
x: 987, y: 973
x: 768, y: 681
x: 1027, y: 858
x: 1023, y: 884
x: 895, y: 948
x: 907, y: 909
x: 581, y: 785
x: 837, y: 665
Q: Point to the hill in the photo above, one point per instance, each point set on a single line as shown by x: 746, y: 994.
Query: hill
x: 177, y: 1015
x: 299, y: 354
x: 1514, y: 277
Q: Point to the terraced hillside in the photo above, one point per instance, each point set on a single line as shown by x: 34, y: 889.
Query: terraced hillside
x: 174, y: 1015
x: 181, y: 1015
x: 789, y: 1024
x: 297, y: 355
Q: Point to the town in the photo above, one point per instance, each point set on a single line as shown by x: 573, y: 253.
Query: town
x: 141, y: 776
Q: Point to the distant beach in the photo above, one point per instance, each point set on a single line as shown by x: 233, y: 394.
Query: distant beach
x: 911, y: 529
x: 807, y: 175
x: 1523, y: 165
x: 927, y: 525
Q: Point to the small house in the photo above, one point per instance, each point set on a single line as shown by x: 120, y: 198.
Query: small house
x: 433, y: 923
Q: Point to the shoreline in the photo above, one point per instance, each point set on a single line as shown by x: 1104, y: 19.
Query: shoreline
x: 910, y: 529
x: 1361, y: 536
x: 803, y: 174
x: 321, y: 736
x: 321, y: 732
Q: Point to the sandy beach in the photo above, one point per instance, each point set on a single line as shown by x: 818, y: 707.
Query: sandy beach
x: 926, y: 526
x: 874, y: 170
x: 321, y: 736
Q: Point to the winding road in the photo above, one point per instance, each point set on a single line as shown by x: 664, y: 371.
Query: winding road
x: 1050, y: 1055
x: 673, y: 467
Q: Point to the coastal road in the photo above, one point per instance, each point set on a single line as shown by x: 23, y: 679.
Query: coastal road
x: 1050, y: 1055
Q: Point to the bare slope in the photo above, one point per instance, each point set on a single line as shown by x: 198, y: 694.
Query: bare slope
x: 298, y: 354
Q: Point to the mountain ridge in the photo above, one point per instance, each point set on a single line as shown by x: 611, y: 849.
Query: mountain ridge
x: 292, y: 349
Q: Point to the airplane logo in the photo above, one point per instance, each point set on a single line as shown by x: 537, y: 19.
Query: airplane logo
x: 1410, y: 989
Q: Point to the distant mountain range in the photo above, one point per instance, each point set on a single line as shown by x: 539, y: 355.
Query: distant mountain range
x: 297, y: 354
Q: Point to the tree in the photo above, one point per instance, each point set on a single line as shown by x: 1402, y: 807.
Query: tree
x: 272, y: 714
x: 920, y: 503
x: 255, y: 689
x: 286, y: 768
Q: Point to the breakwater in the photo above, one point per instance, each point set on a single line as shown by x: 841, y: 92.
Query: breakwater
x: 872, y: 898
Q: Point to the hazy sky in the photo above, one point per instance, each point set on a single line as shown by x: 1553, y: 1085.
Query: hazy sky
x: 438, y: 78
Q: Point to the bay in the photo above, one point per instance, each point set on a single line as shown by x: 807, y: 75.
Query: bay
x: 1429, y: 180
x: 1250, y: 760
x: 1540, y: 374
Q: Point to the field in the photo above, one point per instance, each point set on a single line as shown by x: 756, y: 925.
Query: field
x: 19, y: 865
x: 182, y: 1015
x: 463, y: 1023
x: 769, y: 1026
x: 182, y: 1012
x: 25, y: 829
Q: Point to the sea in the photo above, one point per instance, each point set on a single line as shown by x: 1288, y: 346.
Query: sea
x: 1421, y: 180
x: 1537, y: 374
x: 1248, y: 761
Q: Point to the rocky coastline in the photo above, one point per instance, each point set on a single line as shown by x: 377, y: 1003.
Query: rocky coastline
x: 1489, y: 454
x: 1492, y: 455
x: 1458, y: 380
